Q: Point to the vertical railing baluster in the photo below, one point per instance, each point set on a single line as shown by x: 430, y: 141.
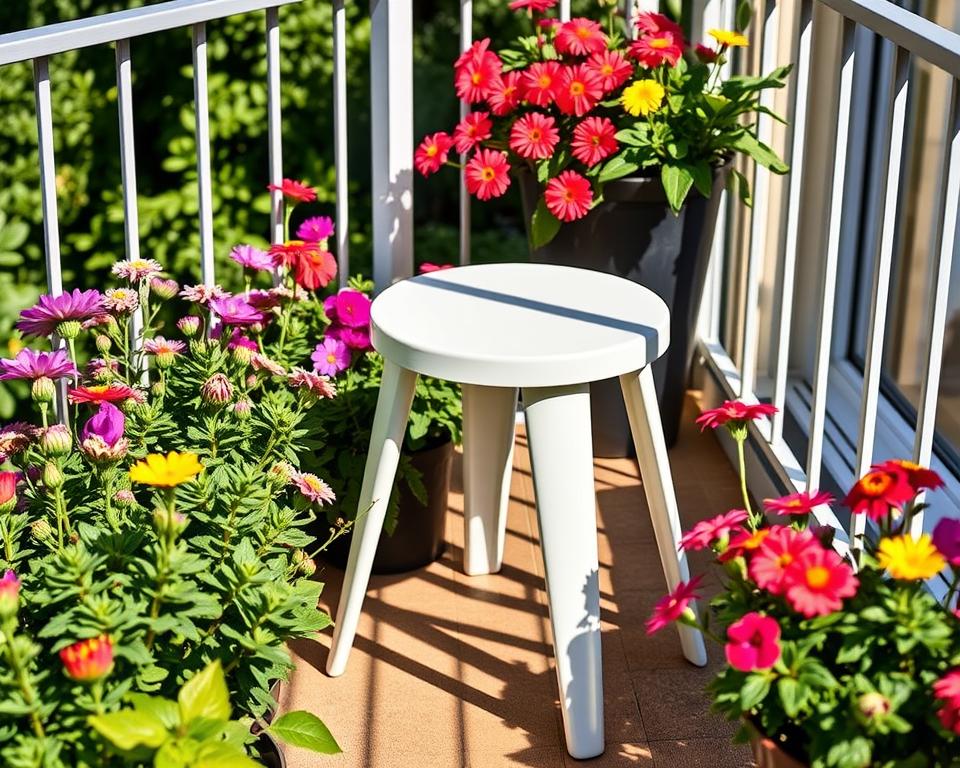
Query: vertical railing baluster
x: 340, y: 138
x: 761, y: 207
x: 274, y: 131
x: 201, y: 107
x: 128, y: 175
x: 564, y: 10
x: 466, y: 40
x: 48, y: 201
x: 828, y: 286
x: 949, y: 215
x: 786, y: 279
x: 889, y: 126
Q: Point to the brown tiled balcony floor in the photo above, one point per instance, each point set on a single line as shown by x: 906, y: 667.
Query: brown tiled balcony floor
x: 451, y: 671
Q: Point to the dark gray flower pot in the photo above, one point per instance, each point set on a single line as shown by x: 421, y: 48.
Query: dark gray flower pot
x: 633, y: 233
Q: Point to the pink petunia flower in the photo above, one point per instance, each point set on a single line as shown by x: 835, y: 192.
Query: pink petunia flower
x: 330, y: 357
x: 780, y: 549
x: 32, y: 365
x: 315, y: 229
x: 50, y: 312
x: 352, y: 308
x: 671, y: 607
x: 704, y: 533
x: 817, y: 581
x: 355, y: 338
x: 946, y: 538
x: 754, y: 642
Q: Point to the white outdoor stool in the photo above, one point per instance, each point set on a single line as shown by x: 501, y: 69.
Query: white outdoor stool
x: 550, y: 331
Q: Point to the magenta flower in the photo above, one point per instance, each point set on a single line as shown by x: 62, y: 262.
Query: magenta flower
x: 44, y: 318
x: 203, y: 294
x: 355, y: 338
x: 315, y: 229
x: 253, y: 258
x: 312, y: 487
x: 330, y: 357
x: 352, y: 308
x: 9, y: 594
x: 671, y: 607
x: 107, y: 423
x: 946, y: 538
x: 239, y: 341
x: 263, y: 300
x: 29, y: 364
x: 704, y: 533
x: 754, y: 643
x: 330, y: 308
x: 235, y: 310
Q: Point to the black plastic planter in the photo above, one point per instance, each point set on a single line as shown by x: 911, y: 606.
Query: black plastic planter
x: 418, y: 539
x: 633, y: 233
x: 269, y: 751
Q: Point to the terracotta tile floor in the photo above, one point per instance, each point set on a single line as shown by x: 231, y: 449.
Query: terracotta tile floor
x: 450, y: 671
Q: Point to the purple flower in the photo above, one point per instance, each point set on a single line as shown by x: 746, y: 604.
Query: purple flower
x: 330, y: 357
x: 263, y: 300
x: 355, y: 338
x: 235, y: 310
x: 330, y: 308
x: 29, y: 364
x: 49, y: 312
x: 946, y: 538
x: 315, y: 229
x: 107, y: 424
x: 253, y: 258
x: 352, y: 308
x: 238, y: 340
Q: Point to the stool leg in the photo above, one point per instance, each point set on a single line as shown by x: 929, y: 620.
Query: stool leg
x: 561, y: 456
x: 640, y: 396
x: 489, y: 420
x: 386, y: 440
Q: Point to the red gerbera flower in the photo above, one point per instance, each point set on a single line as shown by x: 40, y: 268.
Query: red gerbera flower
x: 568, y: 196
x: 315, y: 269
x: 580, y: 37
x: 611, y: 67
x: 735, y: 413
x: 798, y: 503
x: 593, y: 140
x: 671, y: 607
x: 879, y: 490
x: 817, y: 582
x: 650, y: 23
x: 432, y: 153
x: 778, y: 551
x: 920, y: 478
x: 579, y: 90
x: 540, y: 82
x: 534, y: 136
x: 476, y: 71
x: 473, y: 129
x: 103, y: 393
x: 488, y: 174
x: 504, y: 93
x: 537, y: 6
x: 653, y: 50
x: 294, y: 190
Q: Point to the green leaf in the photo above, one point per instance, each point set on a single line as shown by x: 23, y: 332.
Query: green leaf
x: 677, y: 181
x: 791, y: 695
x: 205, y: 695
x: 543, y: 225
x: 754, y: 690
x: 130, y: 728
x: 223, y: 756
x: 748, y: 143
x: 616, y: 168
x: 739, y: 181
x: 306, y: 730
x: 744, y: 14
x: 703, y: 178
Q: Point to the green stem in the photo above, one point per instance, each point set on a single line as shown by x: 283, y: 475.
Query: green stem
x: 163, y: 565
x: 23, y: 681
x: 754, y: 519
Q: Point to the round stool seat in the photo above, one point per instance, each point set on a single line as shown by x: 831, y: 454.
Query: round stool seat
x: 520, y: 325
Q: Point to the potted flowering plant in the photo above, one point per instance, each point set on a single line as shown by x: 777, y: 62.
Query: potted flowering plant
x: 832, y: 661
x: 621, y: 147
x: 416, y: 515
x: 165, y: 531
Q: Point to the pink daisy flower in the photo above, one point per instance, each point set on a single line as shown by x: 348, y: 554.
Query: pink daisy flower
x: 203, y: 294
x: 46, y: 316
x: 754, y: 642
x: 312, y: 487
x: 780, y: 549
x: 330, y: 357
x: 653, y: 50
x: 580, y: 37
x: 315, y: 229
x: 704, y: 533
x: 475, y: 72
x: 536, y: 6
x: 137, y: 270
x: 120, y: 301
x: 32, y: 365
x: 568, y: 196
x: 817, y: 581
x: 534, y: 136
x: 470, y: 131
x: 540, y: 82
x: 432, y: 153
x: 611, y: 68
x: 578, y: 90
x: 251, y: 257
x: 504, y: 94
x: 947, y: 690
x: 802, y: 503
x: 671, y: 607
x: 487, y: 174
x: 735, y: 413
x: 652, y: 23
x: 293, y: 190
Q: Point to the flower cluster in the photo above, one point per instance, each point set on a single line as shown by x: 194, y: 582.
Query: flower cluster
x: 816, y: 640
x: 578, y: 105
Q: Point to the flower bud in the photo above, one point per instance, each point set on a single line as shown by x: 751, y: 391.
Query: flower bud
x: 189, y: 325
x: 242, y: 408
x: 873, y: 705
x: 241, y: 354
x: 251, y: 381
x: 164, y: 289
x: 43, y: 390
x: 157, y: 388
x: 103, y: 343
x: 52, y: 476
x: 41, y: 531
x: 8, y: 491
x: 56, y: 441
x: 69, y: 329
x: 9, y: 595
x: 281, y: 473
x: 124, y: 498
x: 167, y: 522
x: 99, y: 451
x: 305, y: 565
x: 88, y: 660
x: 216, y: 390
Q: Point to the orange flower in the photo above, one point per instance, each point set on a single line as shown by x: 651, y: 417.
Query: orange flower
x: 879, y: 490
x: 88, y: 660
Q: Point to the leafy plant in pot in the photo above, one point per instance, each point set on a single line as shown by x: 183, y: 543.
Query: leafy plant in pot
x: 413, y: 532
x: 833, y: 660
x: 621, y: 148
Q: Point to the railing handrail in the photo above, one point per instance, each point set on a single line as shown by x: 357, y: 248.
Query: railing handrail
x: 120, y: 25
x: 912, y: 32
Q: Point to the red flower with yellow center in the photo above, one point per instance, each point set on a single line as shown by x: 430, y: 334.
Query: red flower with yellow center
x: 798, y: 503
x: 294, y: 190
x: 611, y: 67
x: 103, y: 393
x: 578, y: 91
x: 432, y: 153
x: 487, y: 174
x: 476, y: 71
x: 88, y: 660
x: 540, y: 83
x: 580, y: 37
x: 593, y: 140
x: 920, y: 478
x: 473, y: 129
x: 878, y: 491
x: 504, y: 94
x: 653, y: 50
x: 534, y: 136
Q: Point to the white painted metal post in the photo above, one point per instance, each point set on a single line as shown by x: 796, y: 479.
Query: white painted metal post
x: 202, y: 117
x: 340, y: 138
x: 466, y: 40
x: 391, y: 112
x: 274, y: 132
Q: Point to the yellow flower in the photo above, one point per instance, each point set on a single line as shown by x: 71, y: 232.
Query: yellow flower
x: 728, y: 38
x: 642, y: 97
x: 166, y: 471
x: 908, y: 558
